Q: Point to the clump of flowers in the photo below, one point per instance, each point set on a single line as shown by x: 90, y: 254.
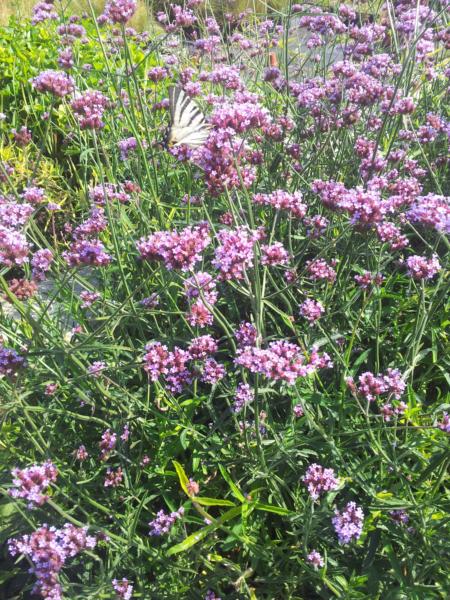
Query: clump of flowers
x: 282, y: 360
x: 371, y: 386
x: 234, y: 255
x: 123, y: 588
x: 311, y: 310
x: 107, y: 444
x: 164, y: 522
x: 10, y: 362
x: 319, y: 480
x: 419, y: 267
x: 281, y: 200
x: 49, y: 549
x: 31, y: 483
x: 244, y: 395
x: 176, y: 250
x: 348, y: 523
x: 57, y: 83
x: 120, y: 11
x: 315, y: 558
x: 319, y: 269
x: 87, y: 252
x: 89, y: 108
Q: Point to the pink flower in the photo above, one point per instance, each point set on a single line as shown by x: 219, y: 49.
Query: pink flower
x: 113, y: 478
x: 31, y: 483
x: 311, y: 310
x: 57, y: 83
x: 120, y: 11
x: 274, y: 255
x: 348, y: 524
x: 281, y: 200
x: 234, y: 255
x: 177, y: 250
x: 315, y: 558
x: 319, y: 480
x: 318, y: 269
x: 419, y: 267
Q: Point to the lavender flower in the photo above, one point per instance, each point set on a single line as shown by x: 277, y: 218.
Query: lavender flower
x: 89, y: 108
x: 163, y: 522
x: 348, y: 524
x: 41, y: 263
x: 120, y: 11
x: 315, y: 558
x: 57, y: 83
x: 96, y: 368
x: 319, y: 480
x: 10, y: 362
x: 311, y: 310
x: 244, y: 394
x: 123, y: 588
x: 48, y: 549
x: 419, y: 267
x: 31, y: 483
x: 177, y: 250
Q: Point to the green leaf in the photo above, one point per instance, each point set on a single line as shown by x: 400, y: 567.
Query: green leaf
x: 278, y: 510
x: 181, y: 476
x: 213, y: 501
x: 192, y: 539
x: 233, y: 487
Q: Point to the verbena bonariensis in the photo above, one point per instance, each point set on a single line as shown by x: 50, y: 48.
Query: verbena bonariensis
x: 189, y: 335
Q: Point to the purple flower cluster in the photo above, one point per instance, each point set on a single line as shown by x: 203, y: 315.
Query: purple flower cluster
x: 89, y: 108
x: 319, y: 269
x: 431, y: 210
x: 281, y: 361
x: 123, y: 588
x: 43, y: 11
x: 15, y: 216
x: 234, y: 254
x: 120, y: 11
x: 176, y: 366
x: 57, y: 83
x: 107, y: 444
x: 348, y: 523
x: 48, y: 549
x: 87, y: 252
x: 444, y: 425
x: 113, y: 478
x: 419, y: 267
x: 14, y: 247
x: 41, y: 263
x: 370, y: 386
x: 246, y: 334
x: 88, y: 298
x: 274, y: 254
x: 31, y: 483
x: 127, y: 146
x: 315, y: 558
x: 244, y: 395
x: 319, y: 480
x: 311, y: 310
x: 10, y: 362
x: 281, y: 200
x: 33, y: 195
x: 176, y: 250
x: 164, y: 522
x: 99, y: 195
x: 96, y: 369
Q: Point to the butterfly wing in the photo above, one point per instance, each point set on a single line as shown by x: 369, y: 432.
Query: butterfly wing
x: 188, y: 125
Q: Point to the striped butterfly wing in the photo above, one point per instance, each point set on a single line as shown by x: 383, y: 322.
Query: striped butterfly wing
x: 188, y: 125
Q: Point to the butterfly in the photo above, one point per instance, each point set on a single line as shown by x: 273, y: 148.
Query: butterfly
x: 187, y: 123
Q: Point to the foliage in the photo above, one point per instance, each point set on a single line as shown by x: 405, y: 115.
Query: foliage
x: 99, y: 375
